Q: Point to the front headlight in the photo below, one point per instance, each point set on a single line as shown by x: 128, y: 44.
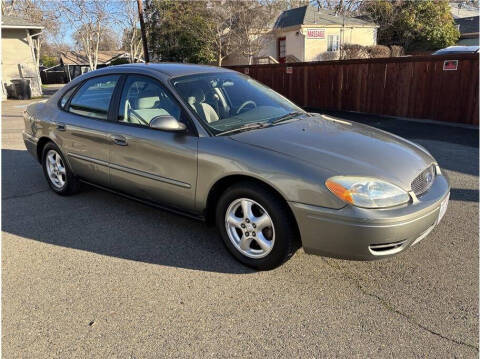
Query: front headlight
x: 366, y: 192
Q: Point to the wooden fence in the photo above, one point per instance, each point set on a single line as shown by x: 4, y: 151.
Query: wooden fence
x: 415, y: 87
x: 53, y: 77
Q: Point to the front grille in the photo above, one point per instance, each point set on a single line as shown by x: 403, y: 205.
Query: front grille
x: 423, y: 181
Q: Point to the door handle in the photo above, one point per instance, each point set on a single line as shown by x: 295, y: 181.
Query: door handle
x: 119, y: 140
x: 60, y: 126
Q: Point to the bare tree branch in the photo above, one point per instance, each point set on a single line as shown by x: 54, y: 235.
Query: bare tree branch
x: 89, y: 19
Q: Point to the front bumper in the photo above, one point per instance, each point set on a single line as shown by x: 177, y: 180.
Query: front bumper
x: 368, y: 234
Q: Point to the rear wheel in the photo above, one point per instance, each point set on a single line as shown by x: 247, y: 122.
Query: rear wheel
x: 255, y: 225
x: 59, y: 176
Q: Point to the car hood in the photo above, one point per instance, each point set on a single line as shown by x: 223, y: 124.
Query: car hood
x: 343, y: 148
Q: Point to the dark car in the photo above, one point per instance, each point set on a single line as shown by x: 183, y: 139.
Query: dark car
x: 457, y: 50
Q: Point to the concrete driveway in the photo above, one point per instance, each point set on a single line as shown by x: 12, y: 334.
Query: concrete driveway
x: 96, y: 275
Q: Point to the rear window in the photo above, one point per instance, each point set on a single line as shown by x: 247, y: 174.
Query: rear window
x: 93, y: 98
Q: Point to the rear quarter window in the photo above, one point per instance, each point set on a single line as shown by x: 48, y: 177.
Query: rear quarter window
x: 66, y: 97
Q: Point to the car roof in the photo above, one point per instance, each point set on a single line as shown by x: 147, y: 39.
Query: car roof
x: 175, y: 69
x: 457, y: 49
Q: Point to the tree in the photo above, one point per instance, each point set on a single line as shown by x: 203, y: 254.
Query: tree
x: 205, y: 32
x: 177, y: 31
x: 48, y: 61
x: 344, y: 7
x: 253, y: 26
x: 219, y: 27
x: 90, y: 20
x: 132, y: 43
x: 424, y: 24
x: 132, y: 38
x: 107, y: 41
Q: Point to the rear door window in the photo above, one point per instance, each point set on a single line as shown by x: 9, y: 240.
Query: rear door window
x: 93, y: 98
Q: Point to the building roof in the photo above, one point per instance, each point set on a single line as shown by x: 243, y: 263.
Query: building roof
x: 11, y: 22
x: 468, y: 25
x: 80, y: 58
x: 309, y: 15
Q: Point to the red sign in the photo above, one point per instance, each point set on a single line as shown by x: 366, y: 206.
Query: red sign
x: 315, y: 33
x: 450, y: 65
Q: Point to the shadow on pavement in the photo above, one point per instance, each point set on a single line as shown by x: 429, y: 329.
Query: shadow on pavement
x: 468, y: 195
x: 106, y: 224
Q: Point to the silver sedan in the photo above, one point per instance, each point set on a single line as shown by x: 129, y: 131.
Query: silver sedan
x: 218, y: 146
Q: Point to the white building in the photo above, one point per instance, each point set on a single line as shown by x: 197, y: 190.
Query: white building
x: 306, y: 33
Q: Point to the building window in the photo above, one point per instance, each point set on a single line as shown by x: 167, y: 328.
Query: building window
x: 333, y: 41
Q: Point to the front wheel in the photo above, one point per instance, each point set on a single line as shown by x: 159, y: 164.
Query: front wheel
x: 255, y: 225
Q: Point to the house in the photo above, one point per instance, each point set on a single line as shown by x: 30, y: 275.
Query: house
x: 468, y: 27
x: 75, y: 63
x: 18, y: 56
x: 307, y: 33
x: 460, y: 9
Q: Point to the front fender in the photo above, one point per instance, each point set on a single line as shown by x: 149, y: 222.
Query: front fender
x: 296, y: 181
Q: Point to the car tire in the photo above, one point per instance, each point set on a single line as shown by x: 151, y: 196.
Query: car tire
x: 59, y: 176
x: 262, y: 239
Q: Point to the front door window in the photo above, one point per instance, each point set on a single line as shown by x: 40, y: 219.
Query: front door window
x: 143, y: 99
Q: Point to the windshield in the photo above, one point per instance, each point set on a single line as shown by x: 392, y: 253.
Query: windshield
x: 229, y: 101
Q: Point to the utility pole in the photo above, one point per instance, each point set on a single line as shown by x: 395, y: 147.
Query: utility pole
x: 142, y: 30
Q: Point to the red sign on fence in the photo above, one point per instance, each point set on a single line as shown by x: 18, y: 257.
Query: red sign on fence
x: 449, y: 65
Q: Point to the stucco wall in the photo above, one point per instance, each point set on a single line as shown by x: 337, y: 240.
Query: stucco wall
x: 295, y: 44
x: 364, y: 36
x: 15, y: 51
x: 314, y: 48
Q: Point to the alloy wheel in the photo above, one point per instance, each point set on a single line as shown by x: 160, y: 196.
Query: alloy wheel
x: 56, y: 169
x: 250, y: 228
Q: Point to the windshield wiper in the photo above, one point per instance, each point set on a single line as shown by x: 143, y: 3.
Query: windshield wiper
x: 250, y: 126
x: 286, y: 117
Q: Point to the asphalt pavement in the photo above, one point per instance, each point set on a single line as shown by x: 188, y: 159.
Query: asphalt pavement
x: 97, y: 275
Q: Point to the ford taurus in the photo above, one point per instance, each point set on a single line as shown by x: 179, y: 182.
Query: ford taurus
x: 219, y: 146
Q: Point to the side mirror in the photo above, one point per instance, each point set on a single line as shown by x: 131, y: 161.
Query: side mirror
x: 167, y: 123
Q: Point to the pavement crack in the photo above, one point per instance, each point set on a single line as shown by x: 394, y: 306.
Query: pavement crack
x: 390, y: 307
x: 25, y: 195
